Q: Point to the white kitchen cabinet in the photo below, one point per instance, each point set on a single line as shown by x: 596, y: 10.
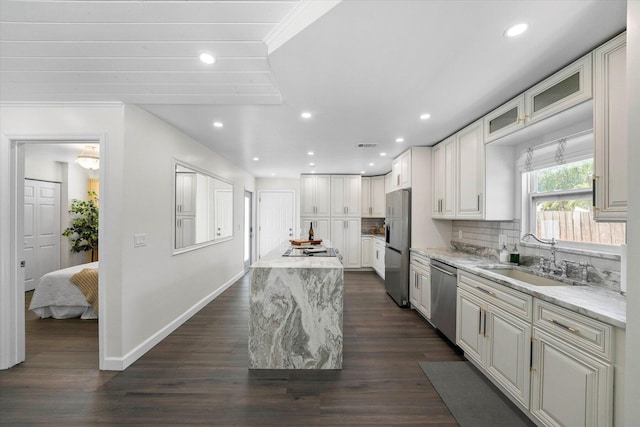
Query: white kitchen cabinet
x: 373, y: 196
x: 186, y: 185
x: 610, y: 123
x: 472, y: 180
x: 420, y: 284
x: 315, y: 195
x: 366, y: 251
x: 346, y: 237
x: 561, y: 91
x: 572, y: 370
x: 443, y: 163
x: 321, y: 227
x: 377, y: 259
x: 345, y: 195
x: 504, y: 120
x: 401, y: 171
x: 569, y: 387
x: 494, y: 329
x: 470, y: 172
x: 388, y: 180
x: 566, y: 88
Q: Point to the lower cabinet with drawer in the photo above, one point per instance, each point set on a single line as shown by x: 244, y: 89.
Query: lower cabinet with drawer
x: 555, y: 363
x: 494, y: 329
x: 572, y: 368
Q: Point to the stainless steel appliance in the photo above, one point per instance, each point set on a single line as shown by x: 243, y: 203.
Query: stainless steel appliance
x: 398, y: 242
x: 444, y: 283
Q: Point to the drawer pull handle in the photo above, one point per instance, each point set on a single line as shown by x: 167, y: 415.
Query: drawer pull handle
x: 568, y: 328
x: 493, y: 294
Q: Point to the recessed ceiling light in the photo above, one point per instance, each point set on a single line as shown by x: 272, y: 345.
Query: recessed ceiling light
x: 273, y: 174
x: 516, y: 30
x: 372, y: 164
x: 362, y: 172
x: 383, y: 154
x: 207, y: 58
x: 305, y: 115
x: 312, y: 164
x: 255, y: 159
x: 399, y: 140
x: 310, y: 153
x: 425, y: 116
x: 217, y: 124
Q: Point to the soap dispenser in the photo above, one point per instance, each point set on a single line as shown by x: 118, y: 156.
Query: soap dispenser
x: 514, y: 255
x: 504, y: 254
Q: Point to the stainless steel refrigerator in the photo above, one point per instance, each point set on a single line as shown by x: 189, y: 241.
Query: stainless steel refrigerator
x: 398, y: 238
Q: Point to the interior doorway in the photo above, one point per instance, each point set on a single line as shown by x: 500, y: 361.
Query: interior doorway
x: 248, y: 229
x: 16, y: 339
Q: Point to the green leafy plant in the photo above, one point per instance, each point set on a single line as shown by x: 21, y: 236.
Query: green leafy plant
x: 83, y: 232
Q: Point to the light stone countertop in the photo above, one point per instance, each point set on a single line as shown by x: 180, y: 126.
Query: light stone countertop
x: 274, y: 259
x: 592, y: 301
x: 375, y: 236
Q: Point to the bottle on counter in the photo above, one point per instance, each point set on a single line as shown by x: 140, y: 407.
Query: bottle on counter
x: 504, y: 254
x: 514, y: 255
x: 311, y: 231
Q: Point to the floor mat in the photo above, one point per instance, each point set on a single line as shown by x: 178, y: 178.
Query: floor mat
x: 472, y: 399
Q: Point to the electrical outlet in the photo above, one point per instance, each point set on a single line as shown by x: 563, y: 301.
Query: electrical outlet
x: 139, y: 240
x: 502, y: 239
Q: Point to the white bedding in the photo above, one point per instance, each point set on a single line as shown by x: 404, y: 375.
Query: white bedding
x: 56, y: 296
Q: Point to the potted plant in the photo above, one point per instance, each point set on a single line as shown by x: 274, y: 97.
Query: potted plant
x: 83, y: 232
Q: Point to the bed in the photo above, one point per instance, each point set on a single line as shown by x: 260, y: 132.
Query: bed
x: 56, y: 296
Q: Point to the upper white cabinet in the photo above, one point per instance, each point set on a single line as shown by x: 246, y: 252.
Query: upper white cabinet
x: 401, y: 171
x: 443, y: 163
x: 610, y: 124
x: 345, y: 195
x: 373, y: 196
x: 315, y: 193
x: 472, y: 180
x: 565, y: 89
x: 470, y: 164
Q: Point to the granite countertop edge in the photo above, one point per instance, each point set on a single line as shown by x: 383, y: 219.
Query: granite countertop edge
x: 592, y: 301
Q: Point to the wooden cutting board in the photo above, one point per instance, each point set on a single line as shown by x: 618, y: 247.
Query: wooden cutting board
x: 299, y: 242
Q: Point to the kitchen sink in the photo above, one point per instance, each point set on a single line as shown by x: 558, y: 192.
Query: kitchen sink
x: 524, y: 276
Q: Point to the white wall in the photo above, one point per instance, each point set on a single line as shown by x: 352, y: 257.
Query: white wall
x: 148, y: 292
x: 632, y: 390
x: 158, y: 287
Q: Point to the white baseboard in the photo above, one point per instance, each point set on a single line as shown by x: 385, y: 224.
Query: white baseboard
x: 120, y: 364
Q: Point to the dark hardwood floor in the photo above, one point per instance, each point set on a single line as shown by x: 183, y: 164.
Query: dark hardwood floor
x: 199, y: 374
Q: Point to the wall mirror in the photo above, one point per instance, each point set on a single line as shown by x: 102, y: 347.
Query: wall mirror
x: 203, y: 208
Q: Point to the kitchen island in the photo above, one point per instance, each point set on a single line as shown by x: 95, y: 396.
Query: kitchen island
x: 295, y: 312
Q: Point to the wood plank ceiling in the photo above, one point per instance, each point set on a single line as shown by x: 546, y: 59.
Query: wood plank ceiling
x: 141, y: 52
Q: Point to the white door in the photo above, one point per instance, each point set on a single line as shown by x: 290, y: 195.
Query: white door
x: 378, y: 200
x: 248, y: 228
x: 41, y: 230
x: 470, y: 154
x: 276, y: 219
x: 470, y: 325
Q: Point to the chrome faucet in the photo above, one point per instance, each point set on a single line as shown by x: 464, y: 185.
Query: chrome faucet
x: 553, y: 268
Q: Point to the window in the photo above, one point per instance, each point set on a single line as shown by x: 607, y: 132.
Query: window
x: 560, y: 199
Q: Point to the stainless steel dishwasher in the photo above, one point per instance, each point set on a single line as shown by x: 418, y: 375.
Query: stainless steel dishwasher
x: 444, y: 283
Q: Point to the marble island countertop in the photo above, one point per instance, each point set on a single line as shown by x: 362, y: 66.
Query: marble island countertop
x: 592, y: 301
x: 274, y: 259
x: 295, y: 312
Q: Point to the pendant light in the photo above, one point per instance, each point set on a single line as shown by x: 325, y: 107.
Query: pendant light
x: 89, y: 158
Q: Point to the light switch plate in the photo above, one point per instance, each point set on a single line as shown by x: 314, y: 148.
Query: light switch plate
x: 139, y: 240
x: 502, y: 239
x: 459, y: 234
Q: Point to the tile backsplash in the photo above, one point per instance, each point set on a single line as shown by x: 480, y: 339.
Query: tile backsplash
x: 368, y: 224
x: 481, y: 238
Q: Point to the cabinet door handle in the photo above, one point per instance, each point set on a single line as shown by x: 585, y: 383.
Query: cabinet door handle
x: 568, y: 328
x: 485, y: 324
x: 480, y: 322
x: 493, y: 294
x: 478, y: 202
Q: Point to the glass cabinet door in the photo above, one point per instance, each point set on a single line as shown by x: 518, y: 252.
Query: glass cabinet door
x: 504, y: 120
x: 568, y: 87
